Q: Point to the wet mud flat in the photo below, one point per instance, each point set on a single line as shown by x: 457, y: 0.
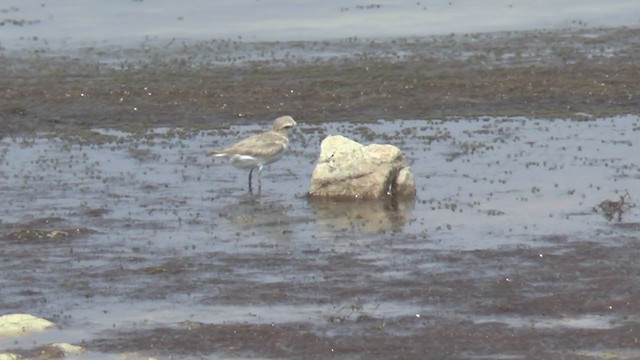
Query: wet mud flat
x: 138, y: 245
x: 116, y: 226
x: 200, y: 84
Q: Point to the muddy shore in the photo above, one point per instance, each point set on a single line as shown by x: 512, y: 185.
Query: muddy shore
x: 201, y: 84
x: 117, y: 228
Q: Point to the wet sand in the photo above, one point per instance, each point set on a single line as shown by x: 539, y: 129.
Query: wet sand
x: 116, y: 226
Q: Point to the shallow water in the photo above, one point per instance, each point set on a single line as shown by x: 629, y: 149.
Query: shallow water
x: 179, y: 237
x: 66, y: 23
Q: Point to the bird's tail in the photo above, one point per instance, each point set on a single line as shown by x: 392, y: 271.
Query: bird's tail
x: 216, y: 153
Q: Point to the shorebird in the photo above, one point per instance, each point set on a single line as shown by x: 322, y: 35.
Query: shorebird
x: 259, y: 150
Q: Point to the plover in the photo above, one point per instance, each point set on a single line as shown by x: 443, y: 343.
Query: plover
x: 259, y: 150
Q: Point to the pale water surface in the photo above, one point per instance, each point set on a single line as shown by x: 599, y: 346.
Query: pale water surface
x: 70, y: 23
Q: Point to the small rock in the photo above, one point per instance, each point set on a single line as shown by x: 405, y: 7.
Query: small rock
x: 46, y: 352
x: 9, y: 356
x: 405, y: 183
x: 22, y: 324
x: 349, y: 170
x: 582, y: 116
x: 68, y: 349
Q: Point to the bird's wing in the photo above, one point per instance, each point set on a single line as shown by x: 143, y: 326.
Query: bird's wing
x: 266, y: 149
x: 266, y: 144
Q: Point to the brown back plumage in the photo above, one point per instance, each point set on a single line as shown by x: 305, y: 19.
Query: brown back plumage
x: 266, y: 144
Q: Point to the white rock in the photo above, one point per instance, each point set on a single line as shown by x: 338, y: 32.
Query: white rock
x: 9, y: 356
x: 22, y: 324
x: 69, y: 349
x: 349, y: 170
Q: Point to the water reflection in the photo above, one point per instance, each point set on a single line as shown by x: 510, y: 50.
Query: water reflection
x: 367, y: 216
x: 259, y: 212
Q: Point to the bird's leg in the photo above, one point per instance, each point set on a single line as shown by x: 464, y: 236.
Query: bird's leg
x: 260, y: 178
x: 250, y: 172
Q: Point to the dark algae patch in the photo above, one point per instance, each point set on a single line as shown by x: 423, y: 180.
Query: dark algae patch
x: 571, y: 73
x: 32, y: 235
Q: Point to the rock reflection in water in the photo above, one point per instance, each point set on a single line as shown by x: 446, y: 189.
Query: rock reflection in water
x: 368, y: 216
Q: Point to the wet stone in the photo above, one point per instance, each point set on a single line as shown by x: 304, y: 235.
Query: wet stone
x: 349, y: 170
x: 13, y: 325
